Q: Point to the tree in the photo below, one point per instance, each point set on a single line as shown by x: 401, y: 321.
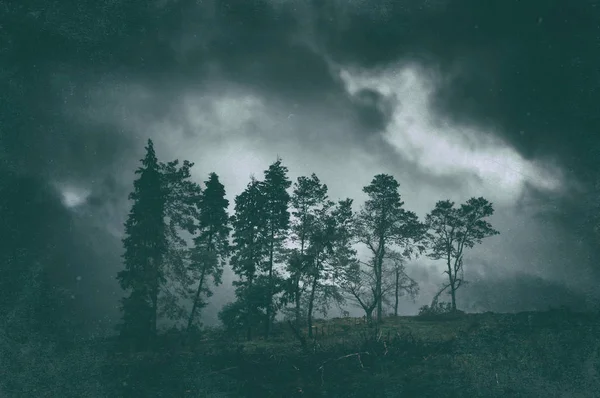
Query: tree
x: 181, y: 196
x: 381, y: 223
x: 452, y: 230
x: 295, y: 284
x: 361, y: 284
x: 330, y: 252
x: 276, y: 217
x: 402, y: 282
x: 145, y: 245
x: 248, y: 312
x: 211, y: 246
x: 309, y: 196
x: 249, y: 250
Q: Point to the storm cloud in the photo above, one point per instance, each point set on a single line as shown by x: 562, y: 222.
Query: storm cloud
x: 455, y: 99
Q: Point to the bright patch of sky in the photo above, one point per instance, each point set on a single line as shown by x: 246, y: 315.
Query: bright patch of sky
x: 490, y: 167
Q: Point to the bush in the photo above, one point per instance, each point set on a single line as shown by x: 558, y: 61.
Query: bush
x: 436, y: 309
x: 232, y: 316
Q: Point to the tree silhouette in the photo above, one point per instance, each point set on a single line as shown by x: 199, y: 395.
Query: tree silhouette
x: 249, y: 250
x: 452, y: 230
x: 308, y: 198
x: 211, y: 246
x: 319, y: 250
x: 181, y: 195
x: 361, y: 284
x: 276, y: 221
x: 330, y: 252
x: 401, y: 281
x: 145, y: 245
x: 383, y: 222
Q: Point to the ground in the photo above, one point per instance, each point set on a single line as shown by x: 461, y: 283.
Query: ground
x: 546, y: 354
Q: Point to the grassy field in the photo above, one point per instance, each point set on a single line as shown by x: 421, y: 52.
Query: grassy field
x: 551, y: 354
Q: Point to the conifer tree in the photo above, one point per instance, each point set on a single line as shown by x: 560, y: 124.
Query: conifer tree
x: 249, y: 253
x: 211, y: 245
x: 330, y: 252
x: 308, y: 197
x: 181, y: 214
x: 145, y: 245
x: 276, y: 217
x: 452, y: 230
x: 382, y: 223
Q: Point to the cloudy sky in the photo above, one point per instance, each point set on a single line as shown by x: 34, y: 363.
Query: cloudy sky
x: 454, y: 98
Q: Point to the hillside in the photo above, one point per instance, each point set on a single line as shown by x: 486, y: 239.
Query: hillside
x: 550, y: 354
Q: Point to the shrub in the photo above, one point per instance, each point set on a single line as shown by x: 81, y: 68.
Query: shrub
x: 436, y: 309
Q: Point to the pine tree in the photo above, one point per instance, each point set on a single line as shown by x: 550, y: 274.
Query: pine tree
x: 383, y: 222
x: 248, y: 228
x: 181, y: 212
x: 277, y: 221
x: 249, y: 251
x: 330, y: 252
x: 211, y: 246
x: 308, y: 197
x: 452, y: 230
x: 145, y: 247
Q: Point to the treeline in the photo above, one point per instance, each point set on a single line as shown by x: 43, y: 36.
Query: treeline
x: 292, y: 248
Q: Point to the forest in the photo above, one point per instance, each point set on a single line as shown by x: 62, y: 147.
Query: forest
x: 295, y: 254
x: 292, y: 248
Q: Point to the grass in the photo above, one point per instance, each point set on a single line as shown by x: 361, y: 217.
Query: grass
x: 551, y: 354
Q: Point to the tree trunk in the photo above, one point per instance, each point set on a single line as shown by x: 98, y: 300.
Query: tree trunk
x: 379, y: 275
x: 369, y: 315
x: 270, y: 290
x: 153, y: 326
x: 378, y: 293
x: 453, y: 293
x: 397, y: 292
x: 153, y: 321
x: 302, y: 268
x: 298, y: 320
x: 452, y: 280
x: 154, y: 299
x: 248, y: 317
x: 196, y: 298
x: 298, y: 302
x: 152, y: 290
x: 453, y: 290
x: 311, y: 305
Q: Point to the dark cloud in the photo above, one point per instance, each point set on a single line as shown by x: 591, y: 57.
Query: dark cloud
x: 373, y: 109
x: 528, y: 69
x: 38, y: 233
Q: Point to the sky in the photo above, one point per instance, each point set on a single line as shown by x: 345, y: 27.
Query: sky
x: 453, y: 98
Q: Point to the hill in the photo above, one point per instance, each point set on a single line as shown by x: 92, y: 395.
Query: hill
x: 545, y: 354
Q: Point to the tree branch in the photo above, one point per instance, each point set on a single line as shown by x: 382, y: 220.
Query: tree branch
x: 438, y: 294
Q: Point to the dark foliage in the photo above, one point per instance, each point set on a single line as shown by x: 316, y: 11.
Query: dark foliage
x: 145, y: 245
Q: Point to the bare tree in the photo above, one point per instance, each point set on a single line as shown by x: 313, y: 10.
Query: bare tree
x: 363, y: 287
x: 402, y: 283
